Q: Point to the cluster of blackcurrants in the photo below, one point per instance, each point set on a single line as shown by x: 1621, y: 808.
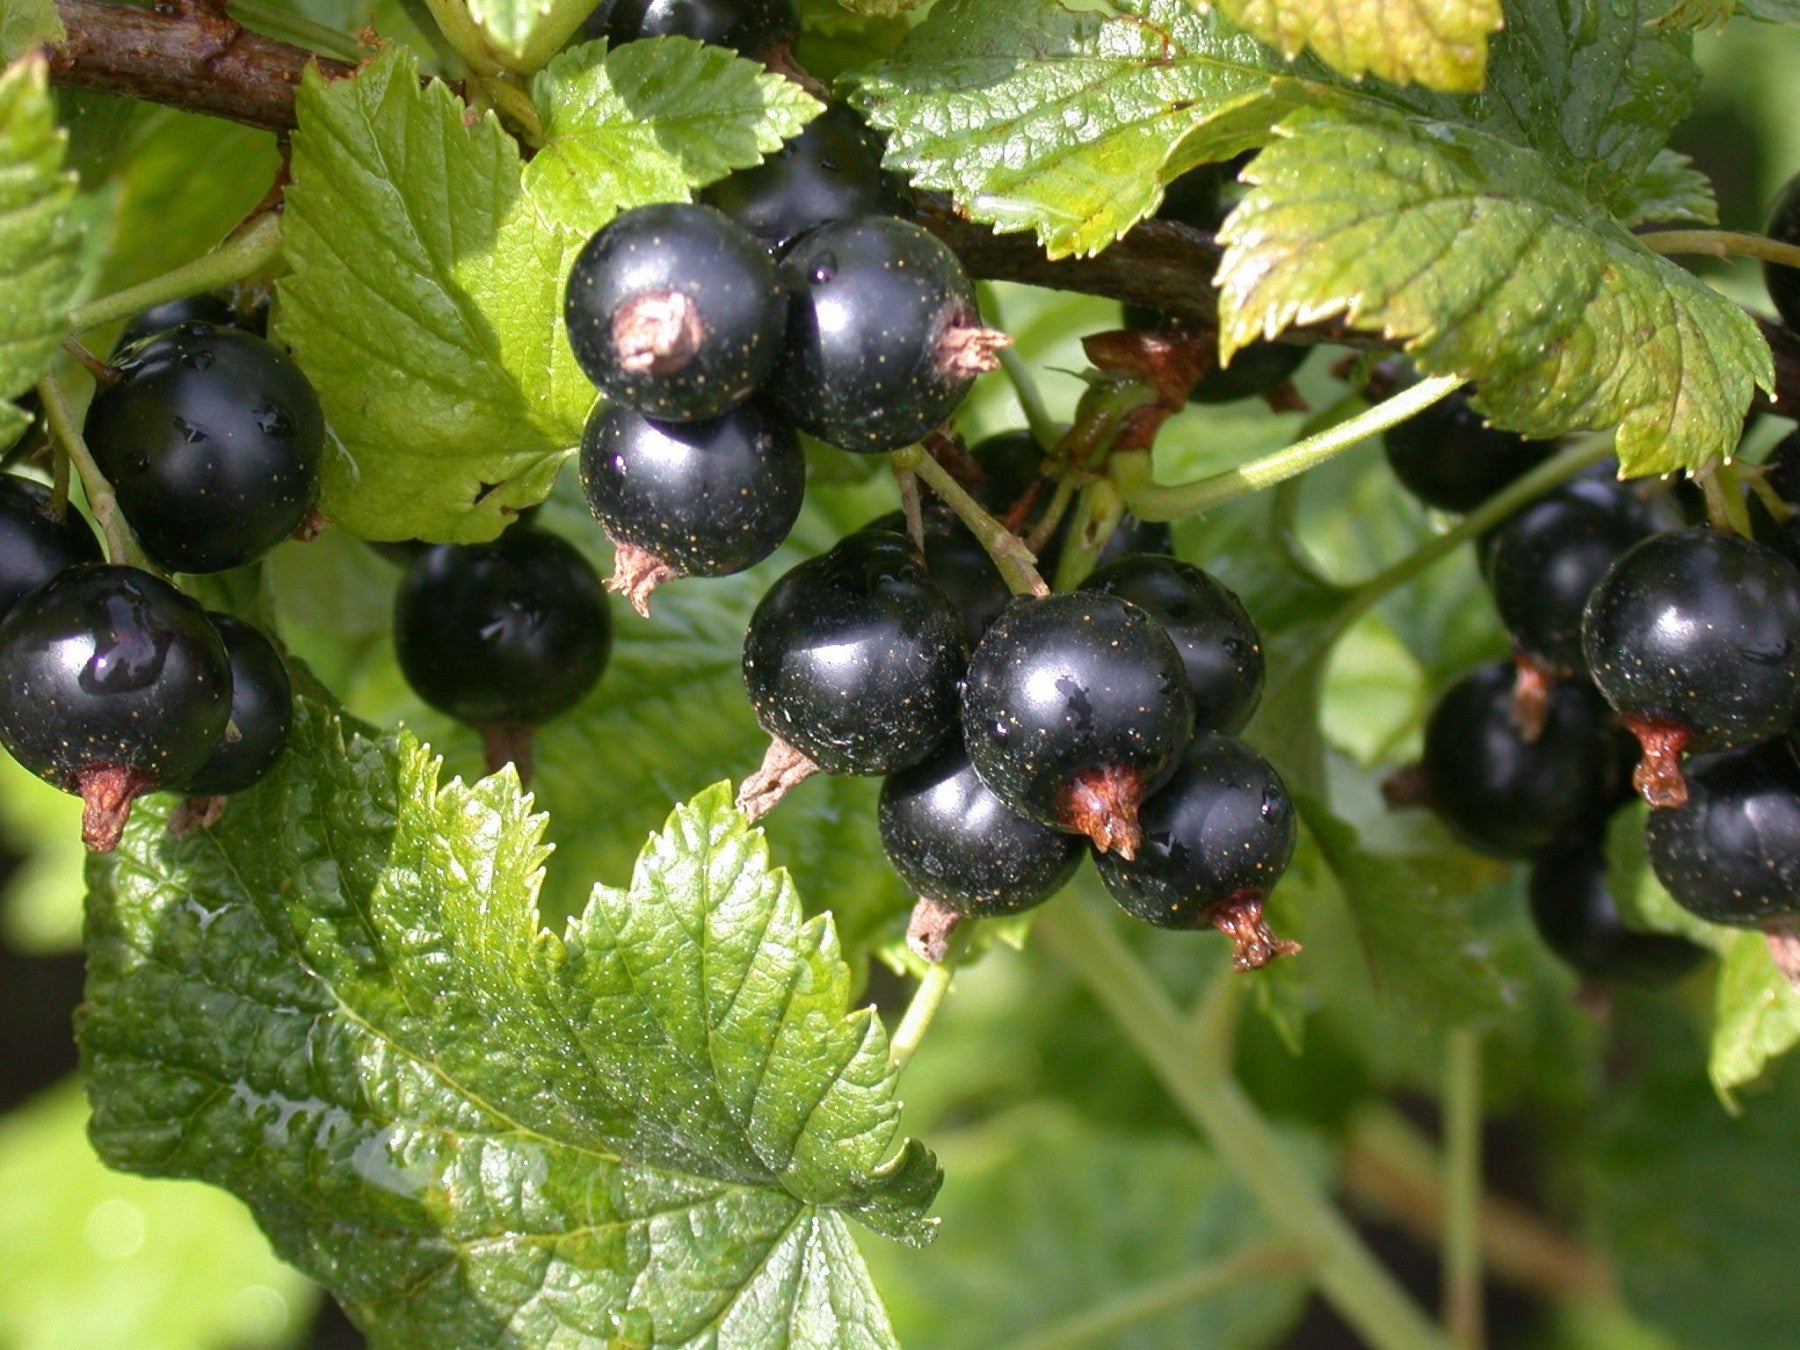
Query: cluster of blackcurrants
x: 112, y: 682
x: 1636, y: 637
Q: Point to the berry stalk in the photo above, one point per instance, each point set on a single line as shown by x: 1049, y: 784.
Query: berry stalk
x: 1721, y: 244
x: 1016, y: 562
x: 66, y: 435
x: 257, y: 250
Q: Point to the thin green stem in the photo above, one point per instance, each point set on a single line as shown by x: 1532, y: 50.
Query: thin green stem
x: 1098, y: 512
x: 1155, y: 501
x: 67, y: 438
x: 1723, y: 485
x: 1357, y: 1285
x: 1103, y: 1325
x: 255, y: 250
x: 1045, y: 429
x: 1213, y: 1020
x: 1721, y: 244
x: 1045, y: 529
x: 1015, y: 561
x: 1462, y: 1260
x: 922, y: 1010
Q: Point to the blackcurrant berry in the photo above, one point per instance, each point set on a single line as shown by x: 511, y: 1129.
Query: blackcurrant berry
x: 1259, y: 368
x: 1507, y: 796
x: 1576, y: 915
x: 691, y: 498
x: 1217, y: 837
x: 1545, y: 560
x: 503, y: 636
x: 35, y: 547
x: 673, y: 311
x: 112, y: 684
x: 1219, y: 644
x: 748, y: 26
x: 830, y: 171
x: 212, y: 440
x: 959, y: 566
x: 210, y: 308
x: 1731, y: 852
x: 953, y: 841
x: 1694, y: 637
x: 262, y: 713
x: 1075, y: 707
x: 1197, y: 197
x: 853, y: 658
x: 1784, y: 228
x: 883, y: 335
x: 1448, y: 456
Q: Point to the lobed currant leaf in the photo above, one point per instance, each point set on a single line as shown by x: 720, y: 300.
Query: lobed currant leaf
x: 1442, y: 44
x: 1669, y: 192
x: 649, y: 120
x: 338, y: 1004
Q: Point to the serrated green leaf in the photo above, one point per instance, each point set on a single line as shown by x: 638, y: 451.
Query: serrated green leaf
x: 1690, y: 14
x: 1488, y: 268
x: 651, y: 119
x: 425, y: 303
x: 1671, y: 191
x: 338, y: 1004
x: 40, y: 246
x: 1441, y: 44
x: 1039, y: 116
x: 28, y: 23
x: 95, y: 1259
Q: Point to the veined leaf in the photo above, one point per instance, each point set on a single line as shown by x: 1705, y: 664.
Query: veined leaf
x: 1491, y: 269
x: 651, y: 119
x: 1671, y: 191
x: 40, y: 245
x: 1441, y: 44
x: 338, y: 1004
x: 1717, y: 13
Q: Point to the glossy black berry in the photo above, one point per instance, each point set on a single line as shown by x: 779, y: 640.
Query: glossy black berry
x: 1219, y: 645
x: 853, y: 658
x: 1784, y: 228
x: 1449, y: 457
x: 959, y: 566
x: 707, y: 498
x: 1694, y: 637
x: 112, y: 684
x: 1576, y: 915
x: 210, y: 307
x: 34, y: 547
x: 1217, y: 837
x: 1075, y: 707
x: 1731, y: 853
x: 748, y: 26
x: 953, y: 841
x: 883, y: 335
x: 1545, y: 560
x: 1509, y: 797
x: 673, y: 310
x: 262, y: 713
x: 212, y: 440
x: 830, y: 171
x: 505, y: 634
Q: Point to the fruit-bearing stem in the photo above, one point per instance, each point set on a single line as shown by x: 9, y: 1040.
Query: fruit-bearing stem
x: 119, y: 546
x: 1349, y: 1276
x: 1156, y: 501
x: 255, y: 251
x: 1015, y: 561
x: 1721, y: 244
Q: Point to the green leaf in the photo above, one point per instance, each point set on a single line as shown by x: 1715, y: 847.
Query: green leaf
x: 650, y: 120
x: 1671, y: 191
x: 338, y: 1004
x: 425, y: 303
x: 526, y: 33
x: 95, y: 1259
x: 1038, y: 116
x: 40, y: 246
x: 1490, y: 269
x: 28, y: 23
x: 40, y: 908
x: 1441, y: 43
x: 1716, y: 13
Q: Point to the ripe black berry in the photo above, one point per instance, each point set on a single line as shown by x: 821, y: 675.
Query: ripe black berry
x: 1217, y: 837
x: 1219, y: 645
x: 691, y: 498
x: 211, y: 439
x: 852, y: 658
x: 34, y: 548
x: 262, y: 713
x: 958, y: 566
x: 953, y: 841
x: 112, y: 684
x: 503, y: 636
x: 1577, y: 917
x: 1731, y: 852
x: 1507, y: 796
x: 673, y: 311
x: 1074, y: 708
x: 830, y: 171
x: 748, y: 26
x: 1694, y: 637
x: 1784, y: 282
x: 1449, y: 457
x: 883, y: 335
x: 209, y: 307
